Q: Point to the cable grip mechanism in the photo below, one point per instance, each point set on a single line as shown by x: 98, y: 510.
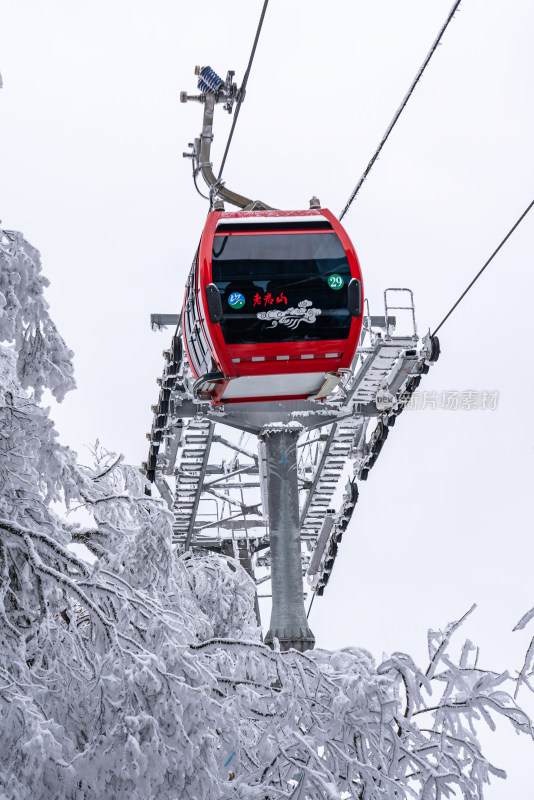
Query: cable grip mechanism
x: 214, y: 90
x: 209, y: 82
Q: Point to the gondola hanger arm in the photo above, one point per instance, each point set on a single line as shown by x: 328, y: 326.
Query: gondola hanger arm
x: 214, y: 90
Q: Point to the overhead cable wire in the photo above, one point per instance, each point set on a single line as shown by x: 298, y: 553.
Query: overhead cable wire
x: 401, y: 108
x: 490, y: 259
x: 457, y: 303
x: 310, y: 606
x: 195, y: 174
x: 243, y: 87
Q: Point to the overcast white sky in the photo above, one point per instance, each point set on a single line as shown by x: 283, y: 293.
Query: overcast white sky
x: 91, y: 138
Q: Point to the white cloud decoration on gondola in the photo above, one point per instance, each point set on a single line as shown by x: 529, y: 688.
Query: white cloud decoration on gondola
x: 291, y: 317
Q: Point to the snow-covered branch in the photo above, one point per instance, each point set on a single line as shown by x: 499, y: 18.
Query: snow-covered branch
x: 143, y: 675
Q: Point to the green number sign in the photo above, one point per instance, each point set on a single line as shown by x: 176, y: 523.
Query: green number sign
x: 336, y: 281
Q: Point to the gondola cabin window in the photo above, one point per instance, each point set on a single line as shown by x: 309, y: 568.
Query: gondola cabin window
x: 281, y: 287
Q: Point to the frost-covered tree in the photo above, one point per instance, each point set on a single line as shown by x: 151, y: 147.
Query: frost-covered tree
x: 142, y: 676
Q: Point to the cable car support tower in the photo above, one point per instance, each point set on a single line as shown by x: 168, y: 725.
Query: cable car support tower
x: 274, y: 484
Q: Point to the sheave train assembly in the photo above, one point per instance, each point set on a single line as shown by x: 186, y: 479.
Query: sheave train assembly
x: 279, y: 388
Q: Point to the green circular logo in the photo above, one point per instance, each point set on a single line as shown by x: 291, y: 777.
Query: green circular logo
x: 335, y: 281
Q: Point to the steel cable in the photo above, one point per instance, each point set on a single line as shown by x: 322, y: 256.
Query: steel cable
x: 243, y: 87
x: 401, y: 108
x: 310, y: 606
x: 490, y: 259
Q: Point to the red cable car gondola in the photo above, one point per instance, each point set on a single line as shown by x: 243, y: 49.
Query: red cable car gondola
x: 273, y: 305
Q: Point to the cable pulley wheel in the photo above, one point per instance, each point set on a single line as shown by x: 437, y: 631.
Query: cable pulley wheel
x: 435, y: 349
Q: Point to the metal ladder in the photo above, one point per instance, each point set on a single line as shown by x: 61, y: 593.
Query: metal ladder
x: 190, y: 471
x: 376, y: 369
x: 336, y: 452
